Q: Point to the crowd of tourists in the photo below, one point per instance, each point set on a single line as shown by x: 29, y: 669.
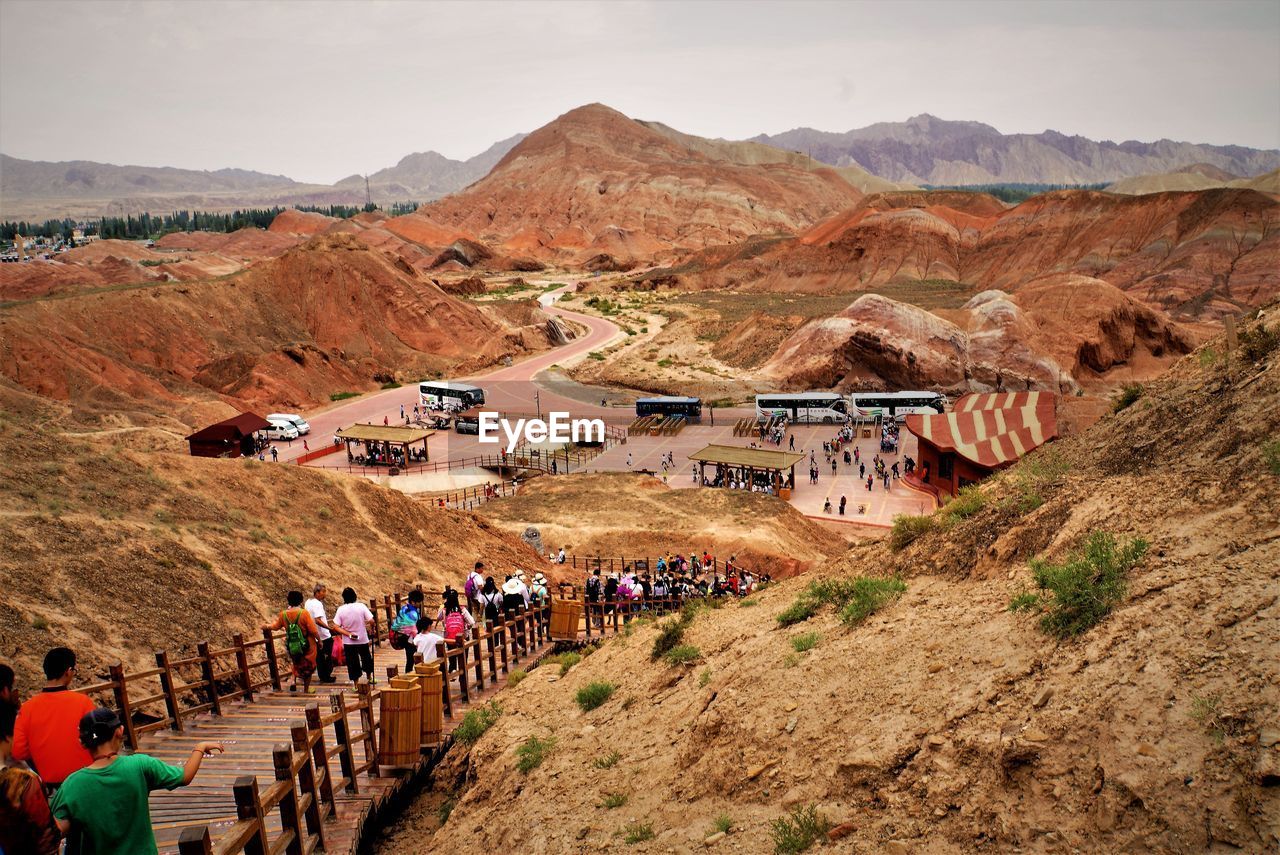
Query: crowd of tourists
x: 63, y: 775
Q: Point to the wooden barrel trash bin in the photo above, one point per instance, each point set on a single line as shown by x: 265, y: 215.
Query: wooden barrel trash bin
x: 565, y: 615
x: 401, y: 726
x: 432, y: 702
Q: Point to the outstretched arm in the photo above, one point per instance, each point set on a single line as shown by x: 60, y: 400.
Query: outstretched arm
x: 192, y: 766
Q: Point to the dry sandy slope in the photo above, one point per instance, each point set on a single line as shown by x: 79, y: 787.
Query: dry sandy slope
x: 944, y: 720
x: 624, y: 515
x: 123, y: 551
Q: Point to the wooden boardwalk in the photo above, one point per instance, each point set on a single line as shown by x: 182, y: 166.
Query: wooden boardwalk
x: 303, y: 772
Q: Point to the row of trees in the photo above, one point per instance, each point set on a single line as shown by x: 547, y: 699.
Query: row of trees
x: 146, y: 226
x: 1013, y: 192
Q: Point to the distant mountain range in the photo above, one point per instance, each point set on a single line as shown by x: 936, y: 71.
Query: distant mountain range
x: 928, y: 150
x: 36, y: 190
x: 886, y: 155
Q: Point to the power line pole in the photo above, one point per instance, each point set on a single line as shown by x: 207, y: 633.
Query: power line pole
x: 368, y: 197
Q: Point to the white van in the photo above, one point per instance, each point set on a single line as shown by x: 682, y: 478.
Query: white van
x: 281, y: 430
x: 291, y: 418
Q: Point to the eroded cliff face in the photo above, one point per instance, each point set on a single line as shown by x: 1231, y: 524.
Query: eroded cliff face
x: 1060, y: 333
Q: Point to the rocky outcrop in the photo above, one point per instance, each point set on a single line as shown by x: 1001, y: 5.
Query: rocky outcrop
x: 1056, y: 334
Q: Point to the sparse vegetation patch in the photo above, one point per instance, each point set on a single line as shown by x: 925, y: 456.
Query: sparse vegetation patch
x: 1075, y: 595
x: 907, y: 528
x: 594, y: 694
x: 476, y: 722
x: 1127, y: 397
x: 532, y: 752
x: 799, y: 830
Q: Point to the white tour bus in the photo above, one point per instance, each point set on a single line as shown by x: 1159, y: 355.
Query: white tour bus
x: 825, y: 407
x: 443, y: 394
x: 898, y: 405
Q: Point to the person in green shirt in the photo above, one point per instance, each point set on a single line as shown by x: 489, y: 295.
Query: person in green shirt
x: 104, y: 808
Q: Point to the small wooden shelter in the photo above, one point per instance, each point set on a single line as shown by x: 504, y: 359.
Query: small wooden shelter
x: 751, y: 462
x: 233, y: 437
x: 382, y: 438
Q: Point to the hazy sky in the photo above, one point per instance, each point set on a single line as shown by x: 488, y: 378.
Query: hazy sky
x: 320, y: 90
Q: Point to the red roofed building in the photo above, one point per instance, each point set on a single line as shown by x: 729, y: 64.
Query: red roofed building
x: 231, y: 437
x: 982, y: 434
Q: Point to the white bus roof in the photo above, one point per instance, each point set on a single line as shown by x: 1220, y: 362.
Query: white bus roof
x: 897, y: 394
x: 449, y: 385
x: 798, y: 396
x: 669, y: 399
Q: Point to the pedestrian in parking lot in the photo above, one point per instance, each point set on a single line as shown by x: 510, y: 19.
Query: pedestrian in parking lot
x: 275, y: 455
x: 305, y: 447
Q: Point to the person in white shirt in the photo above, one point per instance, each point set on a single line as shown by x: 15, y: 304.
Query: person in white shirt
x: 524, y: 589
x: 426, y: 640
x: 324, y: 656
x: 352, y: 621
x: 560, y: 556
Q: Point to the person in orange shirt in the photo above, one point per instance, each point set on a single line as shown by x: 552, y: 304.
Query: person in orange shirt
x: 47, y: 732
x: 301, y: 640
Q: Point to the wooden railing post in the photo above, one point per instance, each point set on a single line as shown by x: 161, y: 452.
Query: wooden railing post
x: 365, y: 694
x: 320, y: 757
x: 501, y: 628
x: 249, y: 809
x: 307, y: 783
x: 479, y: 664
x: 493, y: 654
x: 242, y: 664
x: 121, y: 691
x: 290, y: 816
x: 206, y: 673
x: 342, y: 735
x: 194, y: 840
x: 377, y: 631
x: 166, y: 686
x: 509, y: 626
x: 273, y: 665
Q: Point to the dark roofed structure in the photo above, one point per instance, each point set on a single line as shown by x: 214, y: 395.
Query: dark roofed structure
x: 231, y: 437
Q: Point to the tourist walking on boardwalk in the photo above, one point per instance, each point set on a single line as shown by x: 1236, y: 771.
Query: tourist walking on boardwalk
x: 44, y: 735
x: 25, y: 822
x: 325, y: 642
x: 405, y: 626
x: 355, y: 620
x: 425, y: 641
x: 105, y: 806
x: 300, y: 640
x: 490, y: 601
x: 843, y: 499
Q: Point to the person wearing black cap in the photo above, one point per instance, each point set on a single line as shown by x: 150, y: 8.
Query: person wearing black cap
x: 104, y: 806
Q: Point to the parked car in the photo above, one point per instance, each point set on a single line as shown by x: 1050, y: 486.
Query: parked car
x: 292, y: 418
x: 281, y: 430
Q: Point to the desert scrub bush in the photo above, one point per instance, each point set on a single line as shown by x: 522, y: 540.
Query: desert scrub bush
x: 390, y: 384
x: 670, y: 634
x: 613, y: 800
x: 39, y: 622
x: 1126, y: 397
x: 608, y: 761
x: 476, y: 722
x: 1257, y: 342
x: 532, y: 752
x: 748, y: 602
x: 342, y: 396
x: 637, y: 832
x: 868, y: 596
x: 682, y: 654
x: 969, y: 502
x: 800, y: 610
x: 1076, y: 594
x: 791, y: 660
x: 907, y: 528
x: 594, y: 694
x: 805, y: 642
x: 799, y: 830
x: 514, y: 678
x: 704, y: 679
x: 1271, y: 455
x: 564, y: 660
x: 722, y: 824
x: 443, y: 812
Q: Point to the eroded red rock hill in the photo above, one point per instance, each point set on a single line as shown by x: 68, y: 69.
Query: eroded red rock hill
x: 326, y: 316
x: 594, y: 182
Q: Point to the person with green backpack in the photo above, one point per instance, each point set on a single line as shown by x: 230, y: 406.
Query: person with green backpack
x: 301, y: 640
